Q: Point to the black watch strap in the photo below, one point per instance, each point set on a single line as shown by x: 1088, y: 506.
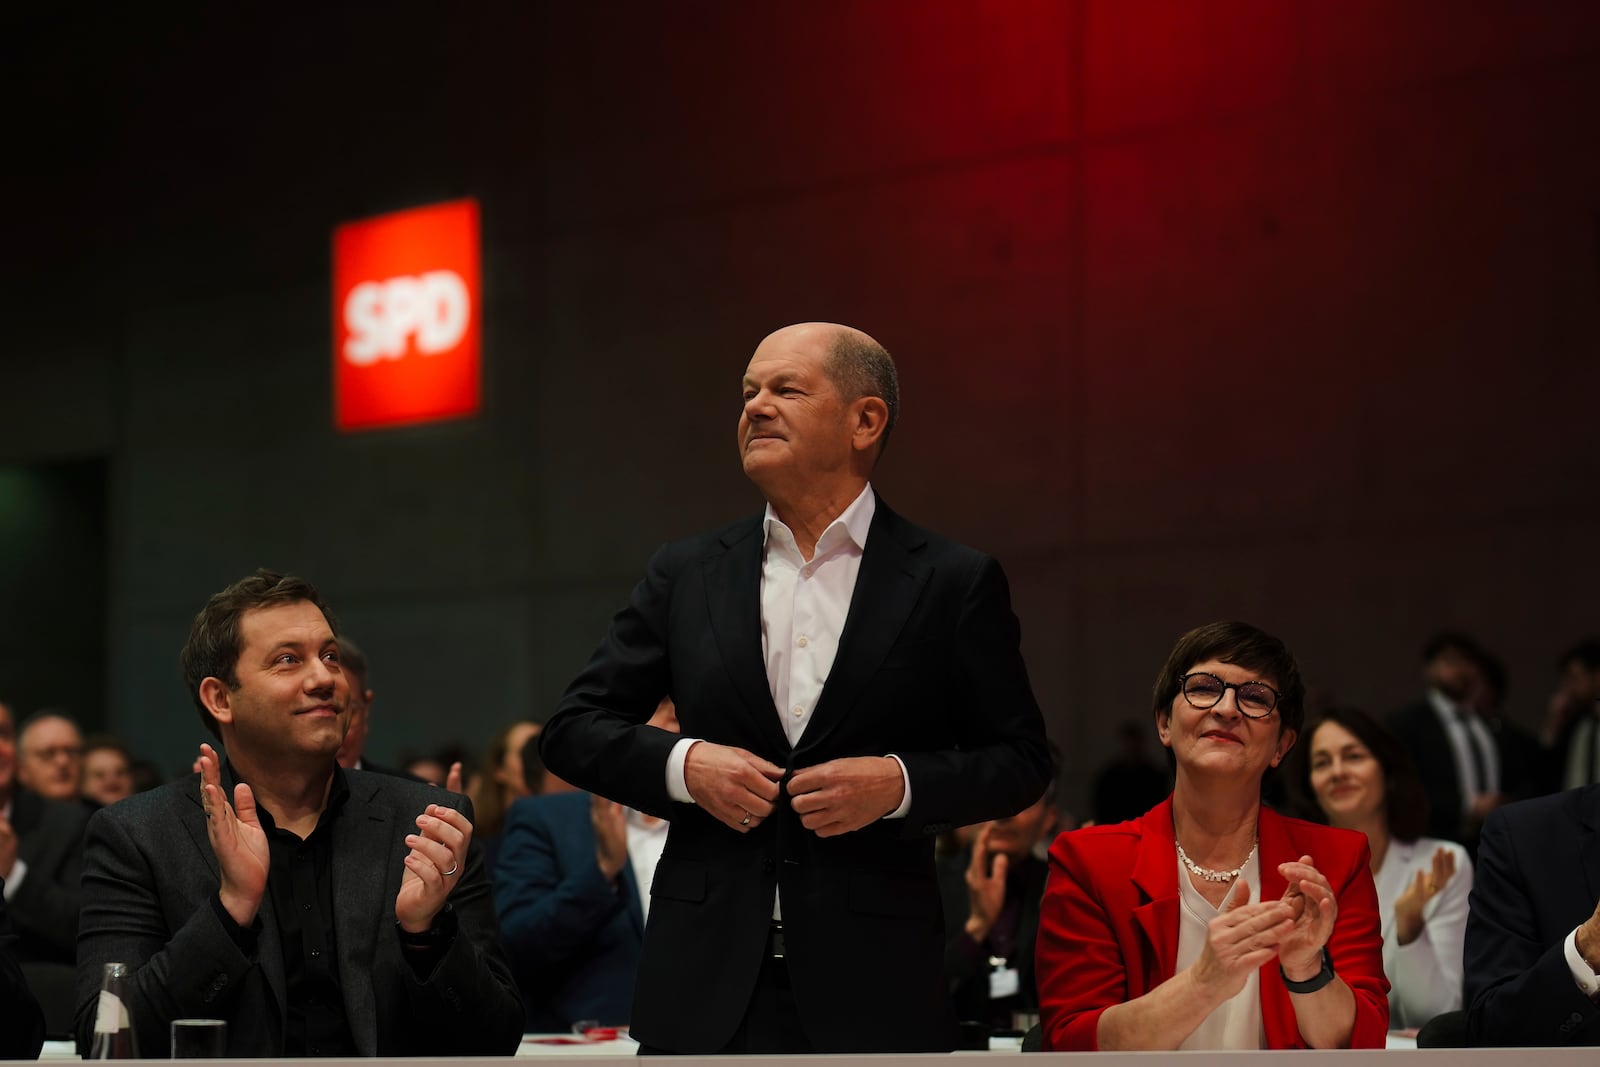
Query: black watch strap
x: 1315, y: 982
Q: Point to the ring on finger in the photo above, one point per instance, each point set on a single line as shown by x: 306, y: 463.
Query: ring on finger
x: 746, y: 820
x: 454, y: 867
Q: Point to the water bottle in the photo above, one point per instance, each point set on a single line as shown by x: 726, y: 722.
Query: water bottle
x: 113, y: 1030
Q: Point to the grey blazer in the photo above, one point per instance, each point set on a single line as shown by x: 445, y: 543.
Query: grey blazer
x: 148, y: 884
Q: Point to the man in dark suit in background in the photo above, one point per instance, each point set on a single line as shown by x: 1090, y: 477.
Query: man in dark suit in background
x: 848, y: 685
x: 1532, y: 956
x: 572, y: 887
x: 1469, y: 759
x: 1572, y: 728
x: 991, y: 891
x: 21, y: 1022
x: 41, y: 864
x: 323, y: 912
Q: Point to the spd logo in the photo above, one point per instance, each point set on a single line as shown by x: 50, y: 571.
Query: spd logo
x: 406, y: 330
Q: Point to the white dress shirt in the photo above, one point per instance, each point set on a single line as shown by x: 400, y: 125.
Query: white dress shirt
x: 1424, y: 976
x: 646, y: 838
x: 1456, y: 725
x: 804, y: 604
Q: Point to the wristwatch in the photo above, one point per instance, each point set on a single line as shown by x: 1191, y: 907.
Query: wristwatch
x: 1315, y: 982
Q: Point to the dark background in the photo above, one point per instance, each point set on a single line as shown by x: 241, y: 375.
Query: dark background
x: 1264, y: 309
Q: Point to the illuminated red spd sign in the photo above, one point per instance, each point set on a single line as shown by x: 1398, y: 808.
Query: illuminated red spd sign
x: 406, y: 330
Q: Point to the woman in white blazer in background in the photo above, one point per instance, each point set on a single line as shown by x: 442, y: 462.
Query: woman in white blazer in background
x: 1352, y: 773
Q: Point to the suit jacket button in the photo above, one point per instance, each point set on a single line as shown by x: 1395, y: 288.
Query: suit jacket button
x: 766, y: 865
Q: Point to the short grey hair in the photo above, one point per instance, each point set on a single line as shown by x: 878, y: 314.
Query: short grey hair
x: 860, y: 366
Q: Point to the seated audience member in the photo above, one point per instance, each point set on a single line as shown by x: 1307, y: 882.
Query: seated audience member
x: 429, y: 769
x: 107, y: 771
x: 41, y: 861
x: 573, y: 891
x: 1533, y: 933
x: 1469, y: 760
x: 50, y: 756
x: 353, y: 663
x: 318, y: 911
x: 1352, y: 773
x: 1572, y: 729
x: 1130, y: 784
x: 1212, y: 921
x: 21, y: 1022
x: 991, y: 890
x: 497, y: 784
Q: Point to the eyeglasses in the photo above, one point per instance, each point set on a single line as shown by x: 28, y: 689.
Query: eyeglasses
x: 1255, y: 700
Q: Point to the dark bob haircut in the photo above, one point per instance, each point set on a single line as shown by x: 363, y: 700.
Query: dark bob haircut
x: 1248, y: 647
x: 1404, y: 801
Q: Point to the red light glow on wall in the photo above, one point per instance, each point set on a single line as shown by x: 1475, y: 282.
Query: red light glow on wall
x: 406, y: 327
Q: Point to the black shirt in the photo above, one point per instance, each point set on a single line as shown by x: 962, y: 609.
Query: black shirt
x: 300, y: 883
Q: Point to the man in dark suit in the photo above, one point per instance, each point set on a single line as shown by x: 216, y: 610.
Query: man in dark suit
x: 21, y: 1022
x: 323, y: 912
x: 41, y: 863
x: 571, y: 909
x: 1469, y: 759
x: 848, y: 685
x: 991, y: 892
x: 1532, y: 953
x: 353, y: 664
x: 572, y: 886
x: 1572, y: 728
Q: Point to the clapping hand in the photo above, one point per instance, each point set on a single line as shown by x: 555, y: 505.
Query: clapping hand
x: 433, y: 866
x: 237, y: 840
x: 1239, y: 940
x: 1423, y: 888
x: 1314, y: 908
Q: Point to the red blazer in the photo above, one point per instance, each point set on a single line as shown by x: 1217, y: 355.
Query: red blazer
x: 1108, y: 928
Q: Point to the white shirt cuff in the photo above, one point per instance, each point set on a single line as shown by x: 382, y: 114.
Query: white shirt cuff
x: 905, y: 804
x: 18, y: 870
x: 1582, y: 973
x: 677, y: 784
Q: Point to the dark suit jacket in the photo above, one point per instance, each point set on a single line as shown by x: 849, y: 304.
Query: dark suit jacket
x: 21, y: 1022
x: 1537, y: 880
x: 1418, y: 728
x: 1108, y: 931
x: 928, y: 668
x: 44, y: 910
x: 968, y: 972
x: 573, y: 938
x: 150, y: 878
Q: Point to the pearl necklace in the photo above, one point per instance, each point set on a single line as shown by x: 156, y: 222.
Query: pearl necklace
x: 1215, y: 876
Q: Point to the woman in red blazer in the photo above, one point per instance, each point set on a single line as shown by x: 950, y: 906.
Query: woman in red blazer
x: 1212, y: 922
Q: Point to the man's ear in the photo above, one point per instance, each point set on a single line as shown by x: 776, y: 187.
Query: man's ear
x: 869, y: 418
x: 217, y: 698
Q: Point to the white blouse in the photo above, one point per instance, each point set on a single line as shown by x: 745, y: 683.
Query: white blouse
x: 1424, y: 976
x: 1236, y: 1023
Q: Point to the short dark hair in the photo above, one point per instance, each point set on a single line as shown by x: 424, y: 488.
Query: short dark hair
x: 1451, y: 641
x: 213, y: 648
x: 1405, y: 802
x: 1243, y: 644
x: 1585, y: 652
x: 106, y: 743
x: 860, y: 366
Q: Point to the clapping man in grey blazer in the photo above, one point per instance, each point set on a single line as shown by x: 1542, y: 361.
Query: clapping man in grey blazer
x: 319, y: 911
